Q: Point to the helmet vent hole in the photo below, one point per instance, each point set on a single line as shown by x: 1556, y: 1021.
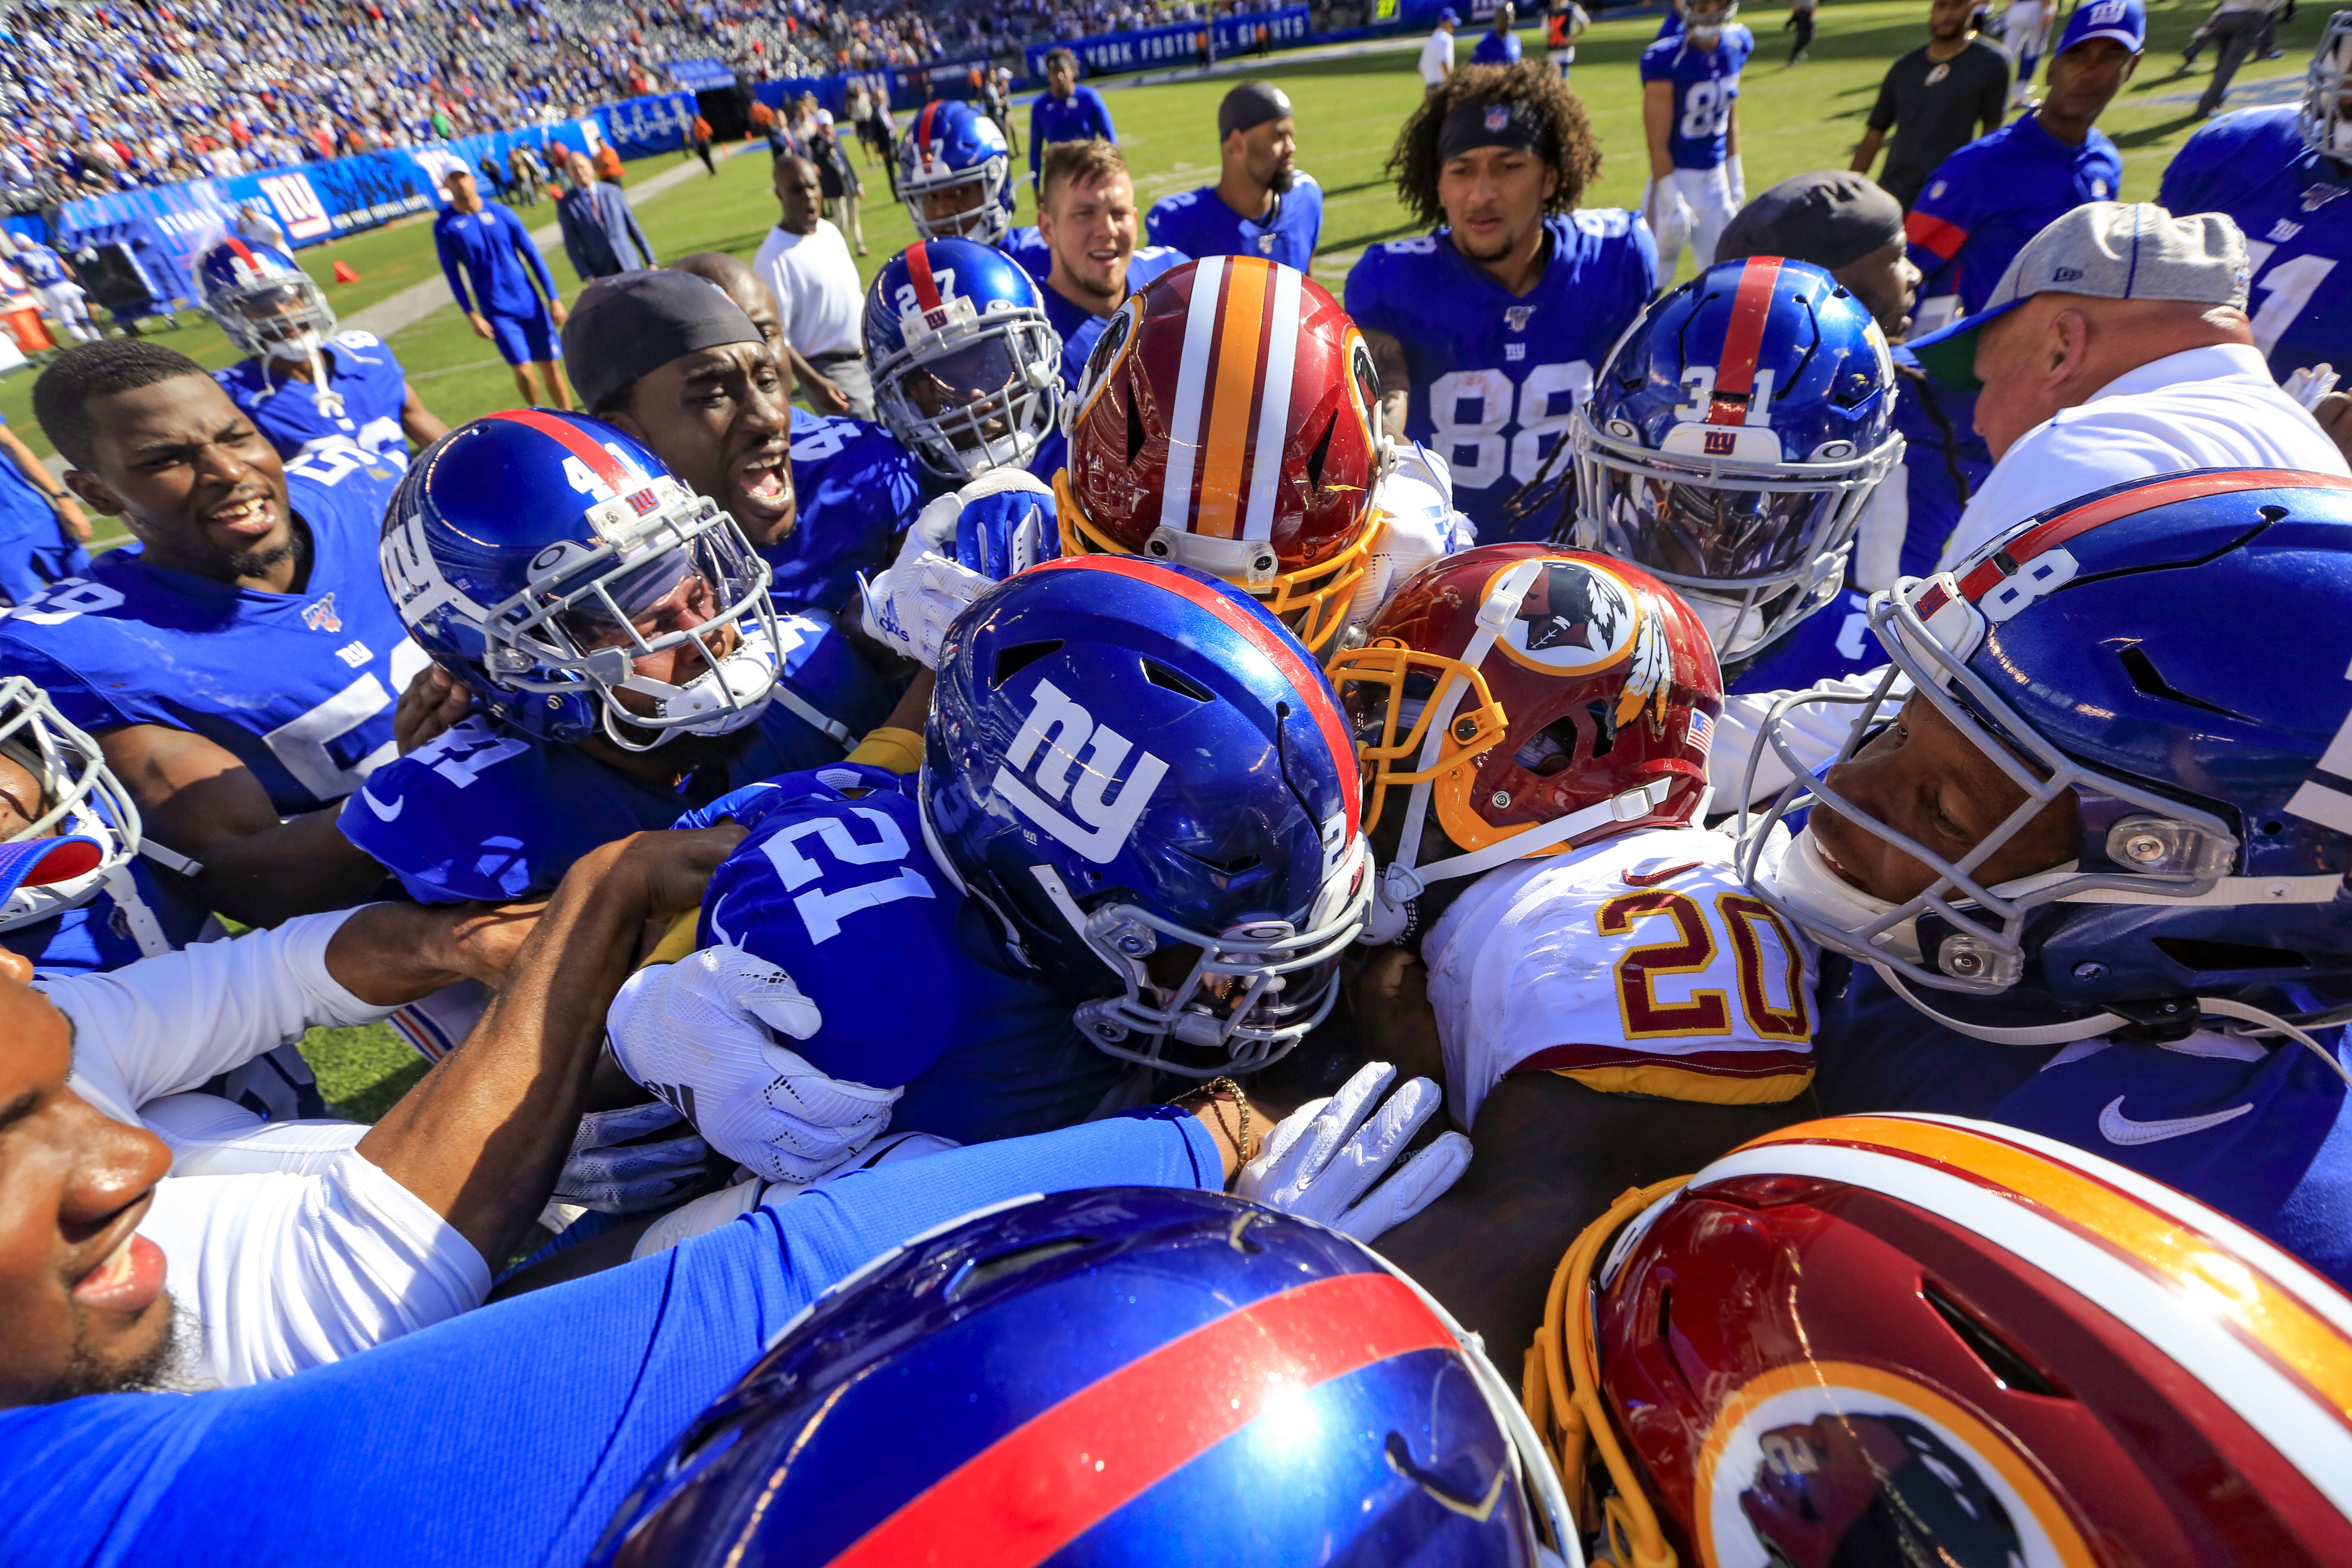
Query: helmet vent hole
x: 1316, y: 460
x: 2207, y: 957
x: 1134, y: 429
x: 1665, y: 1313
x: 2009, y: 1369
x: 1159, y: 675
x: 1604, y: 729
x: 975, y: 1277
x: 1012, y: 661
x: 2149, y: 680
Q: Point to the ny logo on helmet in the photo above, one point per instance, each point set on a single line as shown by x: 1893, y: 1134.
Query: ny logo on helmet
x: 1063, y: 730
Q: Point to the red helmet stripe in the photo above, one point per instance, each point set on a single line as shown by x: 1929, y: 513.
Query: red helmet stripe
x: 1048, y: 1481
x: 1304, y: 678
x: 1743, y: 339
x: 918, y: 271
x: 574, y: 440
x: 1225, y: 448
x: 2002, y: 563
x: 923, y: 126
x: 236, y: 248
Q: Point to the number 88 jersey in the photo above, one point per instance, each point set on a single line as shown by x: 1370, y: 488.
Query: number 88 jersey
x: 1495, y: 375
x: 1639, y: 965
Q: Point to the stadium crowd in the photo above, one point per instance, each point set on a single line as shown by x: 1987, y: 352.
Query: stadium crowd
x: 1527, y: 914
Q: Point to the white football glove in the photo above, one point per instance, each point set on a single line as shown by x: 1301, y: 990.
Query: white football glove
x: 610, y: 1169
x: 701, y: 1033
x: 1321, y: 1161
x: 1738, y: 177
x: 909, y: 605
x: 2310, y: 385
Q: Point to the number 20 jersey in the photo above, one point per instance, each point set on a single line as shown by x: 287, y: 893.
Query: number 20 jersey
x: 1496, y: 376
x: 300, y: 686
x: 2295, y: 207
x: 1639, y: 965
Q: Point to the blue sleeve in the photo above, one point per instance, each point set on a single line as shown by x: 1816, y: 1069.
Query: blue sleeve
x: 452, y: 268
x: 469, y: 1442
x: 83, y: 707
x: 530, y: 253
x: 1657, y: 65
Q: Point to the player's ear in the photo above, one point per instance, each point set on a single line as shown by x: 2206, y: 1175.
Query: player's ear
x: 1551, y: 182
x: 92, y: 491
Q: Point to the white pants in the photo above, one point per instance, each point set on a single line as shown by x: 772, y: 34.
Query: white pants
x: 63, y: 304
x: 1691, y: 205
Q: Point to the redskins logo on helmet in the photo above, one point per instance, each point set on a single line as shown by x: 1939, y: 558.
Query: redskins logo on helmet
x: 1229, y: 420
x: 1532, y: 700
x: 1900, y: 1339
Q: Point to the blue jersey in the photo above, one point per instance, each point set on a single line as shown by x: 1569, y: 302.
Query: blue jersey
x: 1079, y: 327
x: 493, y: 248
x: 34, y: 548
x: 1833, y: 641
x: 483, y: 813
x: 855, y: 489
x: 1083, y: 115
x: 299, y: 685
x: 1985, y: 201
x: 1496, y: 49
x: 1704, y: 84
x: 125, y: 1478
x: 1944, y: 462
x: 2291, y: 203
x: 360, y: 370
x: 1495, y: 375
x: 105, y: 932
x: 1029, y: 251
x: 1199, y: 223
x: 40, y: 264
x: 2253, y: 1129
x: 835, y: 887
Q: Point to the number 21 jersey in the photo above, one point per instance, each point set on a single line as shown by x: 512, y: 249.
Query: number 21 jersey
x: 1495, y: 377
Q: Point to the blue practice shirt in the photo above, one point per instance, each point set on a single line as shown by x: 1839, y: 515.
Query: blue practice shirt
x: 512, y: 1434
x: 493, y: 248
x: 1199, y: 223
x: 1495, y: 375
x: 2291, y: 203
x: 1705, y: 83
x: 1985, y: 201
x: 360, y: 370
x: 1078, y: 118
x: 1079, y: 327
x: 34, y: 548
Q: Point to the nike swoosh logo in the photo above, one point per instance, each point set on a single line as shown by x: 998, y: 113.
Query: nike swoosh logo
x: 1651, y: 879
x: 383, y: 812
x: 2117, y: 1128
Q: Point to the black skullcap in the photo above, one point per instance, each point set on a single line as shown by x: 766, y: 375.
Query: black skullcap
x: 1831, y: 218
x: 1504, y: 122
x: 1249, y: 106
x: 633, y: 322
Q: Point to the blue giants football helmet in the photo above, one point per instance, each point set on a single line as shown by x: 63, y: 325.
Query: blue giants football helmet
x: 967, y: 369
x: 1122, y: 1376
x: 1731, y: 440
x: 83, y: 814
x: 2165, y: 660
x: 1148, y: 781
x: 266, y: 304
x: 951, y: 169
x: 2325, y: 120
x: 543, y: 559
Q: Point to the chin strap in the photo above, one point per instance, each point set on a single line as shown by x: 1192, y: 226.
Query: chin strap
x: 1406, y: 883
x: 330, y: 403
x: 2221, y: 1007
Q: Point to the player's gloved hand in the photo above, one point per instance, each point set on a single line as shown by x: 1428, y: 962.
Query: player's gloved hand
x: 701, y: 1033
x: 617, y: 1166
x: 746, y: 807
x: 1738, y: 177
x: 909, y: 605
x: 1326, y: 1160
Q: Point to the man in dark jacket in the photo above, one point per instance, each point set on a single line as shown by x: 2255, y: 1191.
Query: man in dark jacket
x: 600, y: 232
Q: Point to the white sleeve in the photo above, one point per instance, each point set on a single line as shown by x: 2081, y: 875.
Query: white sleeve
x: 210, y: 1136
x: 1885, y: 524
x: 1815, y: 731
x: 283, y: 1272
x: 169, y: 1023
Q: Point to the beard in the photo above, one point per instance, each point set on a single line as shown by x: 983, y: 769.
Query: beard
x: 295, y: 547
x: 1284, y: 178
x: 169, y: 1366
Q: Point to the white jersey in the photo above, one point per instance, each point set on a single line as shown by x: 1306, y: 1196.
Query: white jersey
x: 1641, y: 965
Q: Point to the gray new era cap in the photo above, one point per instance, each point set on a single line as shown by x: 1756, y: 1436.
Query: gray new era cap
x: 2109, y: 250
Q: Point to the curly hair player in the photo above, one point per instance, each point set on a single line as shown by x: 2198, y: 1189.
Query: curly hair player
x: 1487, y: 332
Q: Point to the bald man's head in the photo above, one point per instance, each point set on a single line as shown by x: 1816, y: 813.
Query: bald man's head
x: 741, y: 285
x: 2056, y: 351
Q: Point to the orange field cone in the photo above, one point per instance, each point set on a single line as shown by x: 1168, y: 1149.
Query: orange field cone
x: 343, y: 273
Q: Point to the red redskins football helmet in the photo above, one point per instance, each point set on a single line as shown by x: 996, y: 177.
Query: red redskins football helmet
x: 1912, y: 1339
x: 1229, y: 420
x: 1535, y: 700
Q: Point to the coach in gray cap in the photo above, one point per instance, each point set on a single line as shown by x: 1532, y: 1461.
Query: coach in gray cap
x: 670, y: 359
x: 2116, y: 347
x: 1261, y: 205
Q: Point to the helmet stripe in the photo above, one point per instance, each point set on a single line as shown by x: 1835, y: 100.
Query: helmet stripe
x: 918, y: 271
x: 1273, y: 404
x: 1743, y: 339
x: 1304, y: 678
x: 1049, y: 1480
x: 574, y: 440
x: 1224, y: 455
x: 1192, y: 392
x: 923, y: 130
x: 2008, y: 559
x: 237, y: 247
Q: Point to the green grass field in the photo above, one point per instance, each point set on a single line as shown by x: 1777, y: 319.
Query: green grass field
x: 1791, y: 119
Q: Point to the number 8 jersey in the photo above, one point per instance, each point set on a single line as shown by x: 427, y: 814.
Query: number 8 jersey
x: 1495, y: 375
x: 1640, y: 965
x: 300, y: 686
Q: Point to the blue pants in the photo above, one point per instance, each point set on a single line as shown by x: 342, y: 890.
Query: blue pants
x: 521, y: 338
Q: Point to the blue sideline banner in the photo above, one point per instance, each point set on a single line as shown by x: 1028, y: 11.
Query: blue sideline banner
x: 1150, y: 48
x: 641, y: 127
